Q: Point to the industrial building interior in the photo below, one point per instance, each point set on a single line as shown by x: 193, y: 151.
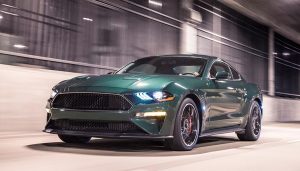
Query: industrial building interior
x: 46, y: 41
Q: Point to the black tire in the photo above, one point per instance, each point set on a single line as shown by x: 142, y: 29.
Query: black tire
x: 185, y: 124
x: 253, y: 127
x: 74, y: 139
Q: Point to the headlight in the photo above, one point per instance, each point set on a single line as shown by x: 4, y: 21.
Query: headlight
x: 160, y: 96
x: 53, y: 93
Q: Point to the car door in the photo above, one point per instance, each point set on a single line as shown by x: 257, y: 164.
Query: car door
x: 223, y: 99
x: 238, y: 84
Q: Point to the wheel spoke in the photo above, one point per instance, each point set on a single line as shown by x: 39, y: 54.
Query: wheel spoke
x: 189, y: 124
x: 184, y: 135
x: 192, y: 113
x: 256, y: 121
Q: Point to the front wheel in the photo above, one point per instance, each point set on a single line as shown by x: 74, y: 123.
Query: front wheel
x: 74, y: 139
x: 253, y: 127
x: 186, y: 128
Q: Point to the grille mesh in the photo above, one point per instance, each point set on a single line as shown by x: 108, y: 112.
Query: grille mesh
x: 94, y: 126
x: 91, y: 101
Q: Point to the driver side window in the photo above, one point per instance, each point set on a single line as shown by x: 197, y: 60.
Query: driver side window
x: 218, y: 67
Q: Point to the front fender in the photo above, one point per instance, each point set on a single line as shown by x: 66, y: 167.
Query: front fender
x: 181, y: 92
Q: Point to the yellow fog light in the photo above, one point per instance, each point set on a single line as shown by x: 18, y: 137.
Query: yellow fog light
x: 151, y: 114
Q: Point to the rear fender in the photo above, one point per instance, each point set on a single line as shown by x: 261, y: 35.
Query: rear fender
x: 253, y: 92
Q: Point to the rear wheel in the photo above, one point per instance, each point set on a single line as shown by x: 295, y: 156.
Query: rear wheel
x: 253, y: 127
x: 74, y: 139
x: 186, y: 129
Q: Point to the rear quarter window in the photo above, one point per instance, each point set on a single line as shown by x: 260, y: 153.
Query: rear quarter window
x: 235, y: 74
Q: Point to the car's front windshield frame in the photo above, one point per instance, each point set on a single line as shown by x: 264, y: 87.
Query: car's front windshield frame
x: 124, y: 69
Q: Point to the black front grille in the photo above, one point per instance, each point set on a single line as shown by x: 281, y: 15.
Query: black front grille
x: 91, y: 101
x: 94, y: 126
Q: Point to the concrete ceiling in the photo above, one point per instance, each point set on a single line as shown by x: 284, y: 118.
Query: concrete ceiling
x: 282, y: 15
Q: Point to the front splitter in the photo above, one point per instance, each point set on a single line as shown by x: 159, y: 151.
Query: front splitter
x: 107, y: 135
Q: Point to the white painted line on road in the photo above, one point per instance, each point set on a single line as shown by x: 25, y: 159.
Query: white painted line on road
x: 294, y: 141
x: 23, y: 135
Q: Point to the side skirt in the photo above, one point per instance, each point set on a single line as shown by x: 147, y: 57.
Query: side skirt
x: 222, y: 131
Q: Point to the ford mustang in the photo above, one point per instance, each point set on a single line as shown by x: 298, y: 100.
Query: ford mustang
x: 175, y: 98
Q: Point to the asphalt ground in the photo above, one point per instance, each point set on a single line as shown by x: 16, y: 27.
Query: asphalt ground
x: 278, y: 149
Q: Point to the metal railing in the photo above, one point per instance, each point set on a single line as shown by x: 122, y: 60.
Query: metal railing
x: 22, y: 55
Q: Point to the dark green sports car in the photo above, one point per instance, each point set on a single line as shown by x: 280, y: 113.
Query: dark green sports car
x: 175, y: 98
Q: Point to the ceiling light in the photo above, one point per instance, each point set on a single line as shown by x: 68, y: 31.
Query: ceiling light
x: 8, y: 5
x: 19, y: 46
x: 87, y: 19
x: 286, y: 54
x: 9, y: 13
x: 155, y: 3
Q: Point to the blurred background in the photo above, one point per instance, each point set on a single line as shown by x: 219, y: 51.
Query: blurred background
x: 43, y: 42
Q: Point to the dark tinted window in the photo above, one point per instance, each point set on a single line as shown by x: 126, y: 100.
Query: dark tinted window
x: 166, y: 65
x: 235, y: 74
x: 218, y: 67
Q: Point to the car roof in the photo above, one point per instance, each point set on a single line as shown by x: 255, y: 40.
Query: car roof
x: 186, y: 55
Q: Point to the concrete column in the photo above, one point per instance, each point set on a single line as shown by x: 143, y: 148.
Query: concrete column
x: 188, y: 43
x: 271, y: 64
x: 217, y: 28
x: 188, y: 36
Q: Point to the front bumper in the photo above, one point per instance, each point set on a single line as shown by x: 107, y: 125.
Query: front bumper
x: 149, y: 128
x: 106, y: 135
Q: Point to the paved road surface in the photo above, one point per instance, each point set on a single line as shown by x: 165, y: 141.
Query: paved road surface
x: 277, y: 150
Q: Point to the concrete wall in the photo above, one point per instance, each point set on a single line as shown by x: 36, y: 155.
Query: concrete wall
x: 23, y: 95
x: 24, y: 91
x: 281, y: 109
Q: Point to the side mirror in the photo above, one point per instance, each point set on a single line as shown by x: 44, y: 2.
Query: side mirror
x: 222, y: 75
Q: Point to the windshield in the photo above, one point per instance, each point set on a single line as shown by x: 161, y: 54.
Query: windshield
x: 166, y: 65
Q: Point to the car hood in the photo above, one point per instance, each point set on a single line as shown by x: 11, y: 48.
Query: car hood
x: 117, y: 83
